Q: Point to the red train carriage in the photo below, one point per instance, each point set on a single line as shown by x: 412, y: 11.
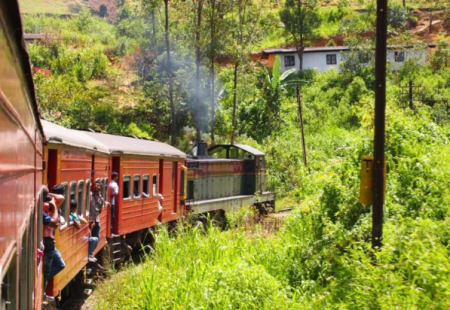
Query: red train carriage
x: 150, y: 176
x: 20, y: 169
x: 74, y: 160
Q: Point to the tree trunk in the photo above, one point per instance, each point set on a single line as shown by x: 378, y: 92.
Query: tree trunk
x: 300, y: 116
x: 233, y: 129
x: 197, y: 112
x: 212, y: 69
x: 213, y: 101
x: 173, y: 131
x: 154, y: 25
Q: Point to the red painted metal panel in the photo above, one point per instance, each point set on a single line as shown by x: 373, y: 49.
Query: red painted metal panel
x: 136, y: 213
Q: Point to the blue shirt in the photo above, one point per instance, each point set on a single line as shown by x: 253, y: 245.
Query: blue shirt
x: 46, y: 218
x: 74, y: 217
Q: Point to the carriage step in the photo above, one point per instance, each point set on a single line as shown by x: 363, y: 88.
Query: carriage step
x: 88, y: 281
x: 88, y: 291
x: 117, y: 259
x: 88, y: 271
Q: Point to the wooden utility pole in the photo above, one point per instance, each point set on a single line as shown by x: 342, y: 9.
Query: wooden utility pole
x: 300, y: 115
x: 380, y: 112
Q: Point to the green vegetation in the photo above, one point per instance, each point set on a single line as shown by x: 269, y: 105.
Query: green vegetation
x: 114, y: 78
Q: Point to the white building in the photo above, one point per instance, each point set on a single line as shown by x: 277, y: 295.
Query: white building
x: 324, y: 58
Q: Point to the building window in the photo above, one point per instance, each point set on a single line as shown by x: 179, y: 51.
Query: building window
x: 331, y: 59
x: 289, y: 61
x: 399, y: 56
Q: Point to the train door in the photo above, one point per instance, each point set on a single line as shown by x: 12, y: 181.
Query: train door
x: 118, y: 200
x: 161, y: 186
x: 52, y: 170
x: 174, y: 186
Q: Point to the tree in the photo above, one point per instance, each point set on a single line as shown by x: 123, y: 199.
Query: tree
x: 215, y: 10
x: 301, y: 20
x: 273, y: 84
x: 441, y: 58
x: 244, y: 33
x: 173, y: 131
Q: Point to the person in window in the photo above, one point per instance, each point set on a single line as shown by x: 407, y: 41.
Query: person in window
x: 53, y: 262
x: 77, y: 222
x: 97, y: 203
x: 114, y: 190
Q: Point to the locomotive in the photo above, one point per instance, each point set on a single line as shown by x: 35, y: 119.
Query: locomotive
x: 158, y: 183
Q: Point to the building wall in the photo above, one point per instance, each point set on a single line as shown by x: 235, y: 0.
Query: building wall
x: 419, y: 55
x: 318, y: 60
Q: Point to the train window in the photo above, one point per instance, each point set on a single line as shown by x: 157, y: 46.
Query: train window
x: 126, y: 187
x: 80, y: 200
x: 155, y: 184
x: 136, y: 186
x: 88, y: 196
x: 235, y: 153
x: 146, y: 185
x: 66, y: 200
x: 106, y: 196
x: 219, y: 152
x: 174, y: 171
x: 9, y: 287
x: 39, y: 216
x: 102, y: 192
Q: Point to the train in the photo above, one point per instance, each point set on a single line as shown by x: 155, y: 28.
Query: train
x: 158, y: 183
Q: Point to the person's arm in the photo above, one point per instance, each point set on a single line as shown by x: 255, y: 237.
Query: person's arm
x: 82, y: 220
x: 59, y: 199
x: 75, y: 223
x: 48, y: 220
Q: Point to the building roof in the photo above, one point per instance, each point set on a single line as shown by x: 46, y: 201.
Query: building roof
x: 319, y: 49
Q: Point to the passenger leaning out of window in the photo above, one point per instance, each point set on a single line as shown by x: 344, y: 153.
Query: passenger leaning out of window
x: 97, y: 204
x: 53, y: 262
x: 77, y: 222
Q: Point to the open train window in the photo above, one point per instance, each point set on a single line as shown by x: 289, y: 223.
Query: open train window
x: 80, y: 200
x: 235, y: 153
x: 174, y: 171
x: 105, y: 190
x: 155, y: 184
x: 126, y: 192
x: 88, y: 196
x: 146, y: 185
x: 136, y: 186
x: 218, y: 152
x: 73, y: 190
x: 40, y: 224
x: 66, y: 199
x: 102, y: 184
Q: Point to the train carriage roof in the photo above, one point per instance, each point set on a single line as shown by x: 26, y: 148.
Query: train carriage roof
x: 58, y: 134
x: 136, y: 146
x: 245, y: 148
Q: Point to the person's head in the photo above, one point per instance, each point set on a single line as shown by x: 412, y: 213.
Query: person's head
x: 58, y: 189
x: 45, y: 195
x: 97, y: 186
x: 73, y: 205
x: 115, y: 175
